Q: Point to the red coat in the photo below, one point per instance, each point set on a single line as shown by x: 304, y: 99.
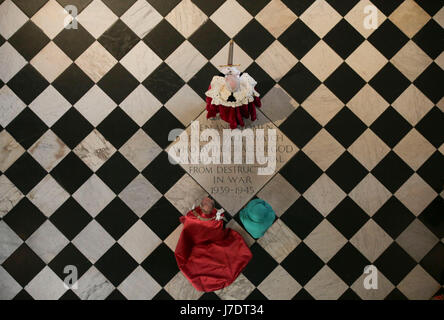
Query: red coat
x: 209, y: 255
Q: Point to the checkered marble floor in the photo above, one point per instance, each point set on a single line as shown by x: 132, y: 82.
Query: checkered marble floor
x: 84, y: 121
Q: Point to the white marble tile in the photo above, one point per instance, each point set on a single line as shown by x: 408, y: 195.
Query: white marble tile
x: 140, y: 105
x: 325, y: 240
x: 326, y: 285
x: 409, y: 17
x: 414, y: 149
x: 139, y: 285
x: 383, y: 290
x: 276, y: 17
x: 238, y: 290
x: 10, y: 149
x: 48, y: 195
x: 51, y: 61
x: 9, y: 195
x: 272, y: 193
x: 413, y: 105
x: 8, y: 286
x: 139, y: 241
x: 96, y: 61
x: 51, y: 18
x: 173, y: 238
x: 416, y: 194
x: 96, y: 18
x: 94, y: 150
x: 322, y: 60
x: 370, y: 194
x: 279, y: 285
x: 439, y: 17
x: 411, y: 60
x: 11, y: 62
x: 186, y: 17
x: 279, y: 241
x: 369, y: 149
x: 141, y: 18
x: 322, y: 105
x: 47, y: 241
x: 93, y: 241
x: 9, y: 242
x: 140, y: 150
x: 366, y: 61
x: 93, y: 286
x: 367, y: 104
x: 358, y: 15
x: 240, y: 57
x: 371, y: 240
x: 181, y: 289
x: 231, y: 17
x: 186, y: 105
x: 323, y: 149
x: 140, y: 195
x: 324, y: 195
x: 418, y: 285
x: 417, y: 240
x: 94, y: 195
x: 50, y: 105
x: 320, y: 17
x: 141, y: 61
x: 276, y: 60
x: 95, y: 105
x: 185, y: 193
x: 277, y: 105
x: 11, y: 19
x: 232, y: 224
x: 186, y: 60
x: 49, y: 150
x: 46, y: 286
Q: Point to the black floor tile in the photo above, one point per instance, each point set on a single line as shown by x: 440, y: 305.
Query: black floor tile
x: 74, y: 41
x: 302, y: 218
x: 431, y: 171
x: 117, y: 172
x: 345, y: 127
x: 201, y: 80
x: 69, y: 256
x: 355, y: 172
x: 388, y: 39
x: 23, y: 265
x: 393, y: 217
x: 389, y: 82
x: 118, y: 83
x: 163, y: 83
x: 343, y: 38
x: 28, y: 84
x: 254, y: 7
x: 387, y: 7
x: 254, y: 39
x: 208, y: 7
x: 161, y: 264
x: 117, y: 127
x: 71, y: 173
x: 24, y: 218
x: 348, y: 263
x: 29, y: 40
x: 264, y: 81
x: 70, y: 218
x: 426, y: 39
x: 299, y: 39
x: 343, y: 7
x: 392, y: 172
x: 79, y: 4
x: 301, y: 172
x: 26, y: 128
x: 30, y: 7
x: 344, y: 83
x: 159, y: 124
x: 348, y: 218
x: 259, y: 266
x: 300, y: 127
x: 432, y: 217
x: 162, y: 218
x: 164, y: 6
x: 116, y: 264
x: 73, y: 83
x: 391, y: 127
x: 433, y: 262
x: 25, y: 173
x: 302, y: 264
x: 72, y: 128
x: 119, y: 39
x: 299, y: 82
x: 164, y: 39
x: 298, y: 7
x: 395, y: 263
x: 116, y: 218
x: 209, y: 39
x: 430, y: 83
x: 119, y: 7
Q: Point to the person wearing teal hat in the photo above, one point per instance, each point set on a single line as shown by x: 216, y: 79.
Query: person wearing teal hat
x: 257, y: 217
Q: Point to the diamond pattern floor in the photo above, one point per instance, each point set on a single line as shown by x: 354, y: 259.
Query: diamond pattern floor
x: 84, y: 119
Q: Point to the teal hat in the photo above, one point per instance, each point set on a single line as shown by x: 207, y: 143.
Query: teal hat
x: 257, y: 217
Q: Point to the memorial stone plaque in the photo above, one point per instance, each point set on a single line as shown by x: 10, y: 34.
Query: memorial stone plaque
x: 232, y: 184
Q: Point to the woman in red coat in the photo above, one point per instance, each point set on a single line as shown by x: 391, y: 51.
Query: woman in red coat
x: 209, y: 255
